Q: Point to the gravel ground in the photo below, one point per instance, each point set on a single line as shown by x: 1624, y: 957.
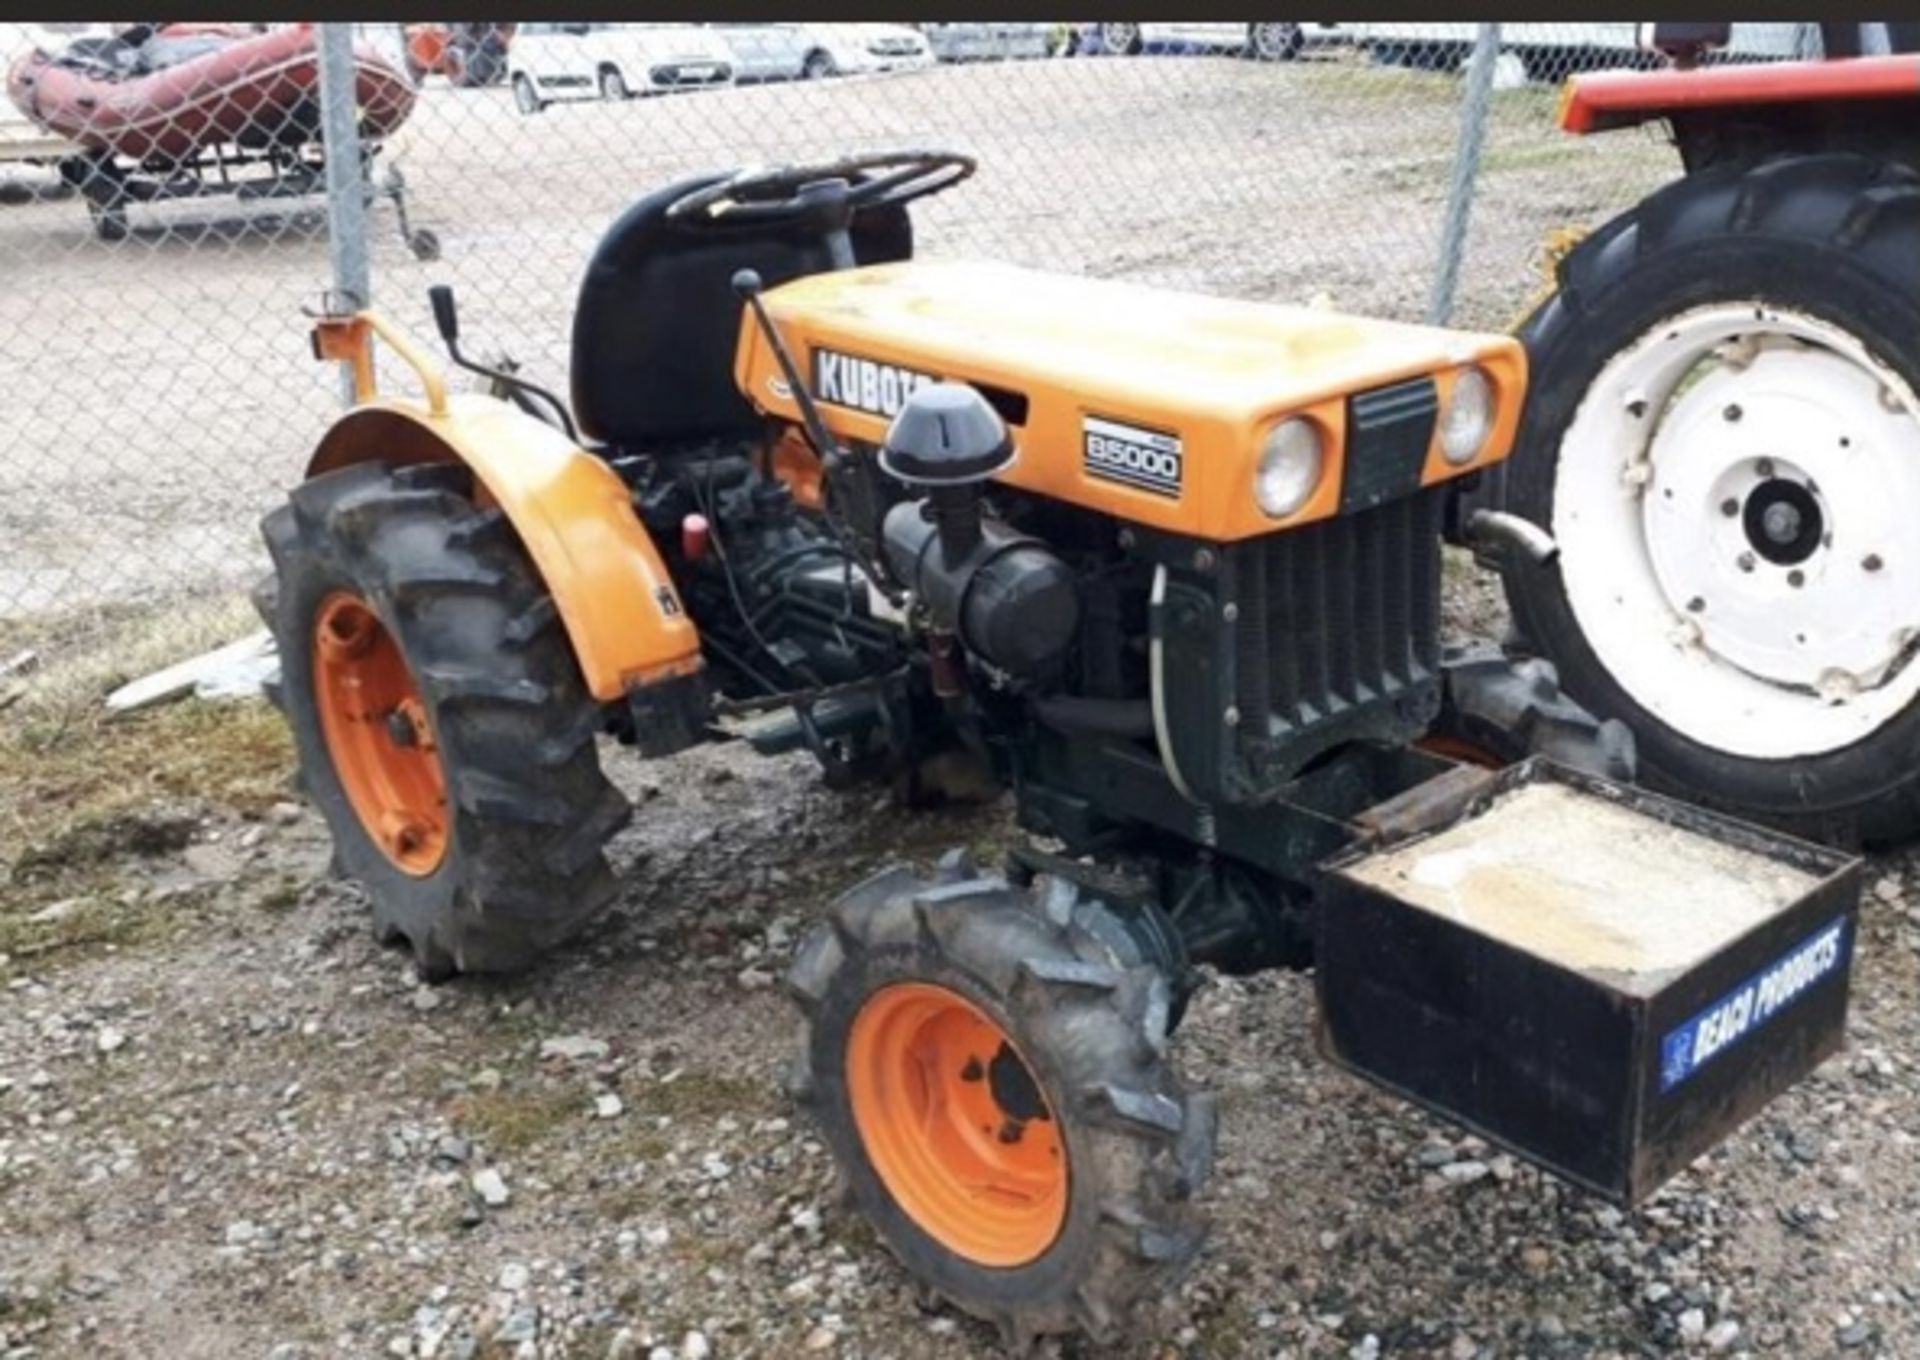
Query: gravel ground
x: 254, y: 1133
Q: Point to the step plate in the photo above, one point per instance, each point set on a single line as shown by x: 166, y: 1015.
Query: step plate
x: 1603, y: 980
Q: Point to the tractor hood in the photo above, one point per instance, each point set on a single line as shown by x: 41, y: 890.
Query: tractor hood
x: 1069, y: 361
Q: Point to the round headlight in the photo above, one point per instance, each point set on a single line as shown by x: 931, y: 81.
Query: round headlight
x: 1468, y: 422
x: 1289, y: 467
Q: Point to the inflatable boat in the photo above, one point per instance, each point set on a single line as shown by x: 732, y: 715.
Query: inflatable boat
x: 169, y: 111
x: 159, y: 93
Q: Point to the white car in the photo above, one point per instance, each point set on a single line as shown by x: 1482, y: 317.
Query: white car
x: 991, y: 41
x: 612, y: 61
x: 1268, y: 42
x: 814, y: 51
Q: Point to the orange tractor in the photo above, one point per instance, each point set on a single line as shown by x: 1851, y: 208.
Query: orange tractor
x: 1165, y: 568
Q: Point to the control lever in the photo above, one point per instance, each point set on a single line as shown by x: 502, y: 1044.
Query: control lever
x: 747, y: 286
x: 833, y: 458
x: 446, y: 318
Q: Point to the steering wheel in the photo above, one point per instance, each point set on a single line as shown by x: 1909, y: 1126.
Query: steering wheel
x: 823, y: 195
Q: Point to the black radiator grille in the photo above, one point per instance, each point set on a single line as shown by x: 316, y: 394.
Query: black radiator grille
x: 1338, y: 615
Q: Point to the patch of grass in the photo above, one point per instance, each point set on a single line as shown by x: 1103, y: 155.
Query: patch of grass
x: 704, y: 1095
x: 1501, y: 159
x: 92, y: 922
x: 282, y: 895
x: 509, y: 1120
x: 80, y: 788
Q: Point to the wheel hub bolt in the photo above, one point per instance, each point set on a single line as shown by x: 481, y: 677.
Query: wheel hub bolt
x: 1733, y: 413
x: 1696, y: 605
x: 1796, y: 578
x: 1871, y: 562
x: 1729, y: 507
x: 1764, y: 467
x: 1744, y: 561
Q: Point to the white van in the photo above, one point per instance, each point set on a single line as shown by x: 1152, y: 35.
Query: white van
x: 612, y: 61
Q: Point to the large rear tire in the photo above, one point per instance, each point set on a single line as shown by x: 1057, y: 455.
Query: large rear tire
x: 989, y: 1069
x: 443, y: 727
x: 1722, y: 432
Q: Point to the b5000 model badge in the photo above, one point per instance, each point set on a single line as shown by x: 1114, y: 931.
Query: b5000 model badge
x: 1149, y: 459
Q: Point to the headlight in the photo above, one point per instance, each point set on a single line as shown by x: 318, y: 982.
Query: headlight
x: 1468, y: 421
x: 1289, y: 468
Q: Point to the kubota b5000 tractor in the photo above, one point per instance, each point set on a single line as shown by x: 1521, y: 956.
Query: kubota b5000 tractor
x: 1167, y: 567
x: 1724, y: 436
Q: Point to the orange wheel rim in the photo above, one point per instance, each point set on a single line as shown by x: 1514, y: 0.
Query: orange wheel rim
x: 377, y: 734
x: 955, y: 1125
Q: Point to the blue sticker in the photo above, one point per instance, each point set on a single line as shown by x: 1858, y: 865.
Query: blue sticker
x: 1692, y: 1045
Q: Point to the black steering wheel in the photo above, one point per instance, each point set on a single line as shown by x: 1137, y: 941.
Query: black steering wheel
x: 823, y: 195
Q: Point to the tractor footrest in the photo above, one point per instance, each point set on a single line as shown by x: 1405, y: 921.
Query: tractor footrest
x: 1604, y: 981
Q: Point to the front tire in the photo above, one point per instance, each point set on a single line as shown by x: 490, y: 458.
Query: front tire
x: 525, y: 97
x: 1274, y: 42
x: 613, y: 86
x: 818, y: 66
x: 989, y: 1070
x: 443, y: 727
x: 1741, y: 593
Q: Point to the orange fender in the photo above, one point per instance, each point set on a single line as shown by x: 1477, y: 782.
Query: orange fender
x: 575, y: 516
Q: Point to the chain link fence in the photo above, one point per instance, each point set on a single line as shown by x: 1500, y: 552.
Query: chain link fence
x: 166, y: 215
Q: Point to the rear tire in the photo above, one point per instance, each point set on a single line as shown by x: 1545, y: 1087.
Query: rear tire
x: 1825, y: 245
x: 524, y: 810
x: 1061, y: 1065
x: 525, y: 97
x: 613, y: 85
x: 818, y: 66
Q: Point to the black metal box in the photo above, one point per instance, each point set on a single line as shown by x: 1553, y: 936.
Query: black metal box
x: 1603, y: 980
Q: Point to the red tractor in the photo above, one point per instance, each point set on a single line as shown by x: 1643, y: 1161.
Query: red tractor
x: 1723, y: 436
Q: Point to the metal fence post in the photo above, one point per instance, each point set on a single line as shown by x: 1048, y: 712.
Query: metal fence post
x: 1466, y: 172
x: 346, y: 176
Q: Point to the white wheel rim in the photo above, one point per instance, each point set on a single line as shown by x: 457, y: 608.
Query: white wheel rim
x: 1732, y: 406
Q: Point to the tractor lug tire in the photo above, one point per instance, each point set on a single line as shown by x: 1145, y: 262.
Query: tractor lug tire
x: 527, y: 806
x: 1833, y: 236
x: 1092, y: 1027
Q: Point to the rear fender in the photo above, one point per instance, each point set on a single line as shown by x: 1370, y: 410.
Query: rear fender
x: 1613, y: 99
x: 614, y: 596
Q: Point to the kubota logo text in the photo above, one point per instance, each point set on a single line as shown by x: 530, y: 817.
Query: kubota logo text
x: 864, y: 384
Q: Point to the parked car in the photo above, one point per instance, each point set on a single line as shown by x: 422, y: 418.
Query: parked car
x: 764, y: 51
x: 990, y: 41
x: 1551, y: 52
x: 1268, y: 41
x: 612, y: 61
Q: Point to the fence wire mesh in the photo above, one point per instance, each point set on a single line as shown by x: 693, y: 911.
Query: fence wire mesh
x: 164, y: 216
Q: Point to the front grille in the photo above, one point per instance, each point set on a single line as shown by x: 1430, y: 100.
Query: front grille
x: 1388, y: 433
x: 1338, y: 617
